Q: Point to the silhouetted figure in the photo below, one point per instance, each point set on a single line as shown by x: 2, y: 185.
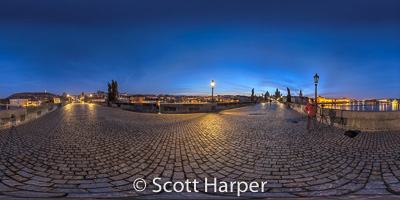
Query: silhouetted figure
x: 158, y: 102
x: 109, y: 94
x: 270, y: 102
x: 252, y: 95
x: 311, y: 110
x: 288, y: 97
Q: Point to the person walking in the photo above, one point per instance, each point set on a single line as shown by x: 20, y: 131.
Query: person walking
x: 311, y: 111
x: 158, y: 102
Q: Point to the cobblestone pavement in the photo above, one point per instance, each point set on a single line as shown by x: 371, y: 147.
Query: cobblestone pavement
x: 85, y: 150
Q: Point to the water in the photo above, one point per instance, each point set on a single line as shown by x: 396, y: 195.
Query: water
x: 365, y: 107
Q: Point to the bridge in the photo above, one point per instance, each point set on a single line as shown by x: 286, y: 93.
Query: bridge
x: 87, y: 150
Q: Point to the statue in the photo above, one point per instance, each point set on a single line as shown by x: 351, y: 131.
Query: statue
x: 116, y: 90
x: 112, y: 91
x: 109, y: 97
x: 288, y: 97
x: 252, y: 95
x: 301, y: 94
x: 266, y: 96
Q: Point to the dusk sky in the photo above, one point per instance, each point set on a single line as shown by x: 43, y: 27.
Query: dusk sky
x: 178, y: 47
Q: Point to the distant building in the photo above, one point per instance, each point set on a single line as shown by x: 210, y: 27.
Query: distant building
x: 137, y: 98
x: 32, y: 95
x: 98, y: 99
x: 18, y: 102
x: 300, y: 100
x: 33, y: 102
x: 277, y: 93
x: 101, y: 94
x: 56, y: 100
x: 332, y: 100
x: 4, y: 101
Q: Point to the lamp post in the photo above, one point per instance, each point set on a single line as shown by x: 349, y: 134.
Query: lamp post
x: 316, y: 78
x: 212, y: 91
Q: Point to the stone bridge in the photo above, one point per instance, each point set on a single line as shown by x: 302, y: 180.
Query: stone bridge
x: 87, y: 150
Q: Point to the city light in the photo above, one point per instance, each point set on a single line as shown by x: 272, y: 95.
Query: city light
x: 316, y: 78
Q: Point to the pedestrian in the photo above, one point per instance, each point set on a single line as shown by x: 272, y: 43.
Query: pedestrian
x: 270, y: 101
x: 311, y: 111
x: 158, y: 102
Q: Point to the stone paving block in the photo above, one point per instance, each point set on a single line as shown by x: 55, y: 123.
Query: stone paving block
x: 5, y: 188
x: 94, y: 185
x: 394, y: 188
x: 373, y: 191
x: 38, y: 183
x: 26, y: 194
x: 323, y: 193
x: 374, y: 185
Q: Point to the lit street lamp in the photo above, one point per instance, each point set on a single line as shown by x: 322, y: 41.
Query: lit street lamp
x: 212, y: 93
x: 316, y: 78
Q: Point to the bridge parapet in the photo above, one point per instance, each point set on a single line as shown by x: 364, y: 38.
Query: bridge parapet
x: 25, y: 114
x: 178, y: 108
x: 357, y: 120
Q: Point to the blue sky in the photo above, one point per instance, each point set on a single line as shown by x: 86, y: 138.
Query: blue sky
x: 178, y: 47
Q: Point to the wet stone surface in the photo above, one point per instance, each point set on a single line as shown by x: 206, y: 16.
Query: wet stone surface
x: 85, y: 150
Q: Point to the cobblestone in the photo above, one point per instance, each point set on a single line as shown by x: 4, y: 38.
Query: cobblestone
x: 87, y: 150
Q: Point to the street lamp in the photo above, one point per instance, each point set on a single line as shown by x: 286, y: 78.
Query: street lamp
x: 316, y: 78
x: 212, y: 93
